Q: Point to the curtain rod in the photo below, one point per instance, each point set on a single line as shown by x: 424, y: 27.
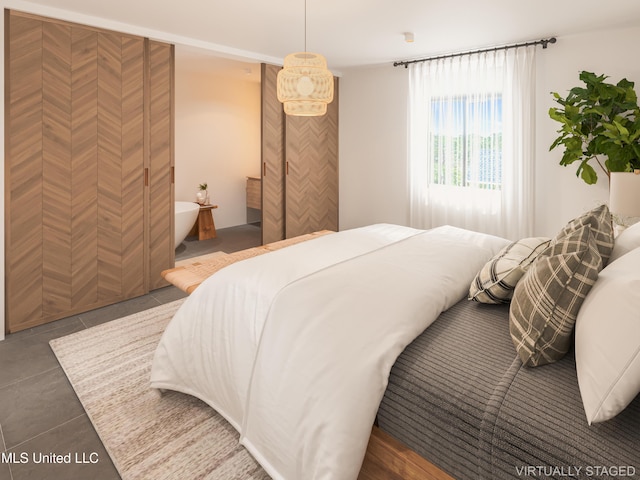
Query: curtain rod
x: 544, y: 42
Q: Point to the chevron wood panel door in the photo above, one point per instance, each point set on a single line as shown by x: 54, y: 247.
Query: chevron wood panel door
x: 84, y: 164
x: 120, y: 194
x: 161, y: 161
x: 272, y: 138
x: 133, y: 245
x: 110, y: 159
x: 75, y: 168
x: 312, y: 172
x: 24, y: 173
x: 57, y: 171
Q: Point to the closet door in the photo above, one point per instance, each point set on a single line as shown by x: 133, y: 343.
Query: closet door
x: 311, y: 172
x: 272, y: 134
x: 24, y: 255
x: 74, y: 170
x: 161, y: 253
x: 119, y: 168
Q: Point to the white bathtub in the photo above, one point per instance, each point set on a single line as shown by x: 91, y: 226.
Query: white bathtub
x: 186, y: 214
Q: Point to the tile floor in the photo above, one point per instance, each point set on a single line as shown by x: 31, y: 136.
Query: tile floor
x: 39, y: 411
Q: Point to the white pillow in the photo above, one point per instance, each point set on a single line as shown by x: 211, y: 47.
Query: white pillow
x: 626, y: 241
x: 607, y: 340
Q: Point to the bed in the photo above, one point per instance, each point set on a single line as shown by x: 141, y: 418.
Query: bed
x: 478, y: 413
x: 294, y: 349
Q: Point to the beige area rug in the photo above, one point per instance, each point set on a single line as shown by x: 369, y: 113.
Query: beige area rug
x: 148, y: 435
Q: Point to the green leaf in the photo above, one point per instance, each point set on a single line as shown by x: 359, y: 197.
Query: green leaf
x: 588, y: 174
x: 591, y: 78
x: 598, y: 118
x: 623, y: 132
x: 570, y: 156
x: 559, y: 116
x: 555, y: 143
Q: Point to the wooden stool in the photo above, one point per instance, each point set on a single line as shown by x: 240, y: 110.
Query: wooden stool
x: 205, y: 227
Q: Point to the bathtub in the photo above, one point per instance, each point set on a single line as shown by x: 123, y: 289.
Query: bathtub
x: 186, y: 214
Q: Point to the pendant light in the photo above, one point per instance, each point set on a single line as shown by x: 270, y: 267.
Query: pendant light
x: 305, y: 85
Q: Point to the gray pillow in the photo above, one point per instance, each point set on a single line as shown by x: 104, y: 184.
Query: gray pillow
x: 547, y: 300
x: 601, y: 223
x: 498, y: 278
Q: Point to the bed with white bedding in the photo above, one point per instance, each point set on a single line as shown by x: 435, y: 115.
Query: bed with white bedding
x: 294, y: 347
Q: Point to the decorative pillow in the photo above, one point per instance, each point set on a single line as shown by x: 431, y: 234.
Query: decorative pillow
x: 628, y: 239
x: 547, y: 299
x: 498, y: 278
x: 608, y: 340
x: 601, y: 223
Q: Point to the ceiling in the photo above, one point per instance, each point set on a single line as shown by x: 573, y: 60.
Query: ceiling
x: 350, y: 33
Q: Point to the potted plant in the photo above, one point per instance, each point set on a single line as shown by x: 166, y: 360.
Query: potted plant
x: 599, y: 122
x: 202, y: 195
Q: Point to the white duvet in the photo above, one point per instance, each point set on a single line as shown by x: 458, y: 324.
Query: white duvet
x: 294, y: 347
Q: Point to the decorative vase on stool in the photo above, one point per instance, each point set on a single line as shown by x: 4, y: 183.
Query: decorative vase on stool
x: 202, y: 196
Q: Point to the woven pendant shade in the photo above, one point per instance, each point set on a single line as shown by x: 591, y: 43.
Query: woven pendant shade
x: 305, y: 85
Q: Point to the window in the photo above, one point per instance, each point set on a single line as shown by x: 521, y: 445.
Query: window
x: 471, y: 138
x: 466, y: 141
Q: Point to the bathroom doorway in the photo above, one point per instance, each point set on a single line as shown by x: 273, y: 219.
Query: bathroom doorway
x: 217, y: 143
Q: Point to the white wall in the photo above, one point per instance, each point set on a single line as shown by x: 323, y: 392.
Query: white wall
x: 217, y: 131
x: 373, y: 146
x: 373, y: 161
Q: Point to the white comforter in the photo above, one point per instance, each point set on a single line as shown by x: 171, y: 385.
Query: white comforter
x: 294, y: 347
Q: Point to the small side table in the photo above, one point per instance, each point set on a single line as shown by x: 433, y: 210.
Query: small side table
x: 205, y: 227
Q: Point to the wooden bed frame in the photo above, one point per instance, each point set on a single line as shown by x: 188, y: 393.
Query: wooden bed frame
x: 386, y: 458
x: 389, y: 459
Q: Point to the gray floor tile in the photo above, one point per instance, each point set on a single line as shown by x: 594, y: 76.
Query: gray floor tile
x: 78, y: 439
x: 228, y: 240
x: 168, y: 294
x: 25, y: 354
x: 5, y: 472
x: 35, y: 405
x: 47, y: 328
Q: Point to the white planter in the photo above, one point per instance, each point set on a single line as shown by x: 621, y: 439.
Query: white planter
x: 624, y: 197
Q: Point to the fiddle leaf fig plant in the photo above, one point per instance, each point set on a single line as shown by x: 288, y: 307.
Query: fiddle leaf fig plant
x: 599, y: 122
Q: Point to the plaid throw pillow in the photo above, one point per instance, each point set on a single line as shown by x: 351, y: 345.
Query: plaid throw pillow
x: 601, y: 223
x: 498, y: 278
x: 547, y: 299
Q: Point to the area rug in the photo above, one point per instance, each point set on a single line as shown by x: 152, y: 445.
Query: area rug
x: 148, y: 435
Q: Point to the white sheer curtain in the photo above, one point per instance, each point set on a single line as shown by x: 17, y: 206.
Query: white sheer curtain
x: 471, y: 150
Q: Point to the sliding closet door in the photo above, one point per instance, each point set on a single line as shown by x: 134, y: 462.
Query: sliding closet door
x: 134, y: 272
x: 161, y: 161
x: 311, y: 150
x: 120, y: 205
x: 74, y: 169
x: 24, y: 174
x: 272, y: 157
